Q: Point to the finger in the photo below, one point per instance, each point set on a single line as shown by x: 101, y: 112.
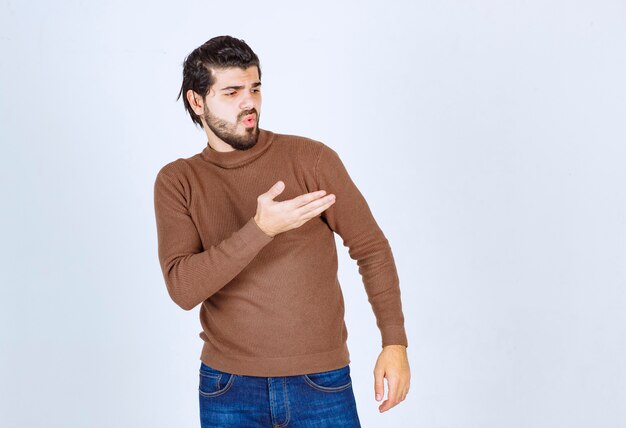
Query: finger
x: 317, y: 212
x: 314, y: 208
x: 392, y: 395
x: 301, y: 200
x: 379, y: 385
x: 275, y: 190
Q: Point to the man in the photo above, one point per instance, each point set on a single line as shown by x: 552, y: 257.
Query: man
x: 246, y: 229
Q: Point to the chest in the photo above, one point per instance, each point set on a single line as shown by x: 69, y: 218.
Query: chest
x: 222, y: 201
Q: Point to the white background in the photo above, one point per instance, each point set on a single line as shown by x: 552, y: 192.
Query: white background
x: 488, y: 138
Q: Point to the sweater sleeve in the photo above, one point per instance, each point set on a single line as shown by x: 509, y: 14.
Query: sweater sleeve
x: 351, y: 218
x: 193, y: 274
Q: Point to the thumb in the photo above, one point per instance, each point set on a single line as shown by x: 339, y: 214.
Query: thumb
x: 379, y: 385
x: 276, y: 189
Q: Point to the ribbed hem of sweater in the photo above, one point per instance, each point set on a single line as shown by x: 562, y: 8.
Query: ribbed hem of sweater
x: 276, y: 366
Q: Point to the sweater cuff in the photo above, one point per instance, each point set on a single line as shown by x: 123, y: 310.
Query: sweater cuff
x: 253, y: 236
x: 394, y: 335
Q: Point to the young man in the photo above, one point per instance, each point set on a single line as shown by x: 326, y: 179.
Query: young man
x: 246, y: 229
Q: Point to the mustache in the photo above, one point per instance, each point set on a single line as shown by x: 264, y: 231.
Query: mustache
x: 246, y: 113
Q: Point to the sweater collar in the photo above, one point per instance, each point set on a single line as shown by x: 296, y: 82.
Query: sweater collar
x: 236, y: 157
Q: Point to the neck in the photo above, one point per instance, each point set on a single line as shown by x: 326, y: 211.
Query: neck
x: 216, y: 143
x: 235, y: 158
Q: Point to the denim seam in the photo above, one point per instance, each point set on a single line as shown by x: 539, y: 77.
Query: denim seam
x: 273, y: 404
x: 286, y: 402
x: 221, y: 391
x: 326, y: 388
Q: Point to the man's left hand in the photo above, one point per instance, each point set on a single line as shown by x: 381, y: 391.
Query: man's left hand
x: 392, y: 364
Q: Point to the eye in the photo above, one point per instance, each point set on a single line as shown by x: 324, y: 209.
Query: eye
x: 228, y: 94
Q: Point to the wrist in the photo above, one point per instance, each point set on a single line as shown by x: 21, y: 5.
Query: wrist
x: 401, y: 347
x: 256, y: 220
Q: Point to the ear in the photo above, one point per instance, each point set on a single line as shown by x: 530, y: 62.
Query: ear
x: 196, y: 102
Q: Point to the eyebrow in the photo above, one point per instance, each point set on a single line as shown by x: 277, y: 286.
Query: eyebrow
x: 254, y: 85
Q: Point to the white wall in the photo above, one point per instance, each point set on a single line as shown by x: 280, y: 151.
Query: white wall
x: 488, y: 137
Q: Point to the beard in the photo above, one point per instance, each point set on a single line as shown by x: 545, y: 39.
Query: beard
x: 227, y: 131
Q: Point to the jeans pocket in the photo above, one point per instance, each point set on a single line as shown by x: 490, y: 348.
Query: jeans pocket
x: 214, y: 382
x: 330, y: 381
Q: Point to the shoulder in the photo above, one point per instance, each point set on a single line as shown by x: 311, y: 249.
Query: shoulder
x: 170, y: 169
x: 309, y: 151
x: 298, y: 144
x: 175, y: 171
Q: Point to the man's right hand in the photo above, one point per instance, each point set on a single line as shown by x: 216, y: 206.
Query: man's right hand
x: 276, y: 217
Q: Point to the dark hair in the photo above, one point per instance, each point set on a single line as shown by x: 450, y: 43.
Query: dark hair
x: 218, y: 53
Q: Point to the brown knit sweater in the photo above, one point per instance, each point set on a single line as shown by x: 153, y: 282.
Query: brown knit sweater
x: 270, y: 306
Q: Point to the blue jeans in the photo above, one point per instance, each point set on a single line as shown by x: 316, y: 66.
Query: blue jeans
x: 319, y: 400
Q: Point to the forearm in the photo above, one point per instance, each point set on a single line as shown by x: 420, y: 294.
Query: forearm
x: 192, y: 272
x: 353, y: 220
x: 193, y: 278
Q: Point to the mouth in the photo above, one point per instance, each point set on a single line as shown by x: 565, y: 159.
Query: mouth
x: 249, y: 120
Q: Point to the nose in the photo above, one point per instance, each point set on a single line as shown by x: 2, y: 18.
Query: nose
x: 247, y: 102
